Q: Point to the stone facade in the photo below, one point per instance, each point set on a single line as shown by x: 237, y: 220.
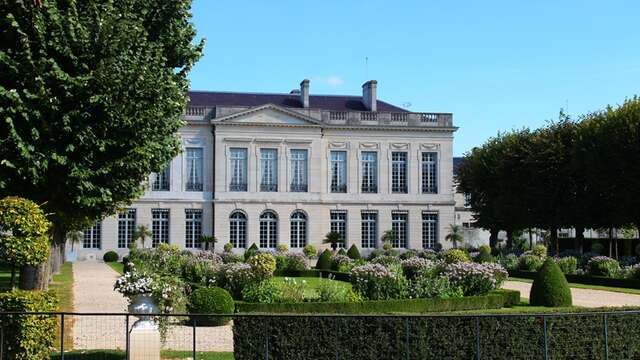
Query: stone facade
x: 228, y: 132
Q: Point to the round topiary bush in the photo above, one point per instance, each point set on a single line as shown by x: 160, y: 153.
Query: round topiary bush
x: 110, y: 256
x: 550, y: 288
x: 211, y: 300
x: 324, y: 261
x: 353, y: 253
x: 309, y: 251
x: 455, y: 255
x: 228, y: 247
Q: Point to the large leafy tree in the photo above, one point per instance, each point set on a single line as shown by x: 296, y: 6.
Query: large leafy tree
x: 91, y: 97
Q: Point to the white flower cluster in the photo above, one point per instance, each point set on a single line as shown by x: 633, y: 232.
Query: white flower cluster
x: 134, y: 283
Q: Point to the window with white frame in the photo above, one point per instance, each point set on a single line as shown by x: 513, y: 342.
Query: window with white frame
x: 299, y: 181
x: 338, y: 171
x: 238, y: 229
x: 400, y: 227
x: 298, y: 229
x: 269, y: 170
x: 268, y: 229
x: 369, y: 229
x: 238, y: 168
x: 429, y: 173
x: 92, y: 237
x: 193, y: 169
x: 159, y: 227
x: 126, y: 227
x: 399, y: 172
x: 369, y: 170
x: 160, y: 180
x: 429, y: 230
x: 192, y: 228
x: 339, y: 225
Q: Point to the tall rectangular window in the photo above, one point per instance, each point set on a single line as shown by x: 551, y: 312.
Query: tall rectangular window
x: 400, y: 227
x: 160, y: 180
x: 399, y: 172
x: 238, y: 168
x: 369, y: 229
x: 269, y: 170
x: 369, y: 170
x: 194, y: 169
x: 339, y: 225
x: 92, y: 237
x: 159, y: 226
x: 338, y: 171
x: 299, y: 181
x: 429, y: 230
x: 126, y: 227
x: 429, y: 173
x: 192, y: 228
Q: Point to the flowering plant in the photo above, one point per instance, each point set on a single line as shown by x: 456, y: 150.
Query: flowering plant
x: 386, y: 260
x: 377, y: 282
x: 416, y: 265
x: 341, y: 262
x: 263, y: 265
x: 233, y: 277
x: 603, y: 266
x: 297, y: 262
x: 475, y: 279
x: 134, y: 283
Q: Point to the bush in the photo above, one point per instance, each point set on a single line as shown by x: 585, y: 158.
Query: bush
x: 455, y: 255
x: 228, y: 258
x: 550, y: 288
x: 426, y: 286
x: 509, y: 261
x: 539, y: 250
x: 263, y: 265
x: 376, y: 282
x: 353, y: 253
x: 251, y: 251
x: 28, y: 337
x: 633, y: 272
x: 375, y: 253
x: 568, y: 264
x: 603, y: 266
x: 283, y: 248
x: 415, y: 266
x: 342, y: 251
x: 296, y: 262
x: 341, y: 263
x: 386, y: 260
x: 201, y: 268
x: 310, y: 251
x: 485, y: 249
x: 110, y: 256
x: 475, y: 279
x: 331, y: 291
x: 530, y: 262
x: 228, y: 247
x: 293, y: 290
x: 386, y: 246
x: 324, y: 261
x: 597, y: 248
x: 428, y: 254
x: 282, y: 263
x: 408, y: 254
x: 234, y: 277
x: 264, y: 292
x: 211, y: 300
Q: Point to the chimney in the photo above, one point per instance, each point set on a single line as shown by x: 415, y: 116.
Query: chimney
x: 304, y: 93
x: 370, y: 95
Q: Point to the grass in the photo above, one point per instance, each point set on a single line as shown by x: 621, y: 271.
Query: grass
x: 313, y: 283
x: 62, y: 284
x: 590, y: 287
x: 117, y: 266
x: 120, y: 355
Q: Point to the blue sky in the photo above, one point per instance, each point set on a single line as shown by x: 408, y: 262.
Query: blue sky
x: 497, y: 65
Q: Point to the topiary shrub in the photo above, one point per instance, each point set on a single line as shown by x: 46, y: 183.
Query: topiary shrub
x: 342, y: 251
x: 455, y: 255
x: 251, y: 251
x: 484, y: 255
x: 324, y: 261
x: 310, y: 251
x: 211, y: 300
x: 110, y: 256
x: 353, y: 253
x: 550, y: 287
x: 228, y: 247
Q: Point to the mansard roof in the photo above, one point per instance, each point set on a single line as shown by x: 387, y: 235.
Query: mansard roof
x: 324, y: 102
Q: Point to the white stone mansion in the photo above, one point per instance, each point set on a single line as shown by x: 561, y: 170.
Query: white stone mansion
x: 288, y: 168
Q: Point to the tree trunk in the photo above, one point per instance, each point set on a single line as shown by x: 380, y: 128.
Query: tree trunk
x: 34, y: 277
x: 610, y: 242
x: 57, y: 250
x: 554, y: 240
x: 530, y: 239
x: 493, y: 238
x: 509, y: 239
x: 578, y: 242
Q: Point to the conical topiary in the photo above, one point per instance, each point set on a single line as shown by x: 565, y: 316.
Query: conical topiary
x: 342, y: 251
x: 550, y: 288
x: 353, y: 253
x: 251, y: 251
x: 324, y: 261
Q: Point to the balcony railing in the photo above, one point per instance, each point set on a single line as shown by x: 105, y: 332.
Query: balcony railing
x: 269, y: 187
x: 238, y: 187
x: 299, y: 188
x: 369, y: 118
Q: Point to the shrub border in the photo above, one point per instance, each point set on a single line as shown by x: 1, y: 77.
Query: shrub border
x: 584, y: 279
x: 496, y: 299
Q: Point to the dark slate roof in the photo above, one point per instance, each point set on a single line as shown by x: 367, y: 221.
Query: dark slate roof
x: 324, y: 102
x: 457, y: 161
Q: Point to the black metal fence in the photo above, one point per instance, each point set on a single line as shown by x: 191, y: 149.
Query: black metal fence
x: 580, y: 335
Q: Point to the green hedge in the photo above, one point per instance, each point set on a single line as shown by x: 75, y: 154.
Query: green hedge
x: 28, y: 337
x: 585, y: 279
x: 495, y: 300
x: 436, y: 337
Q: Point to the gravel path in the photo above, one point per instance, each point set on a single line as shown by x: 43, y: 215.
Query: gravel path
x: 93, y: 293
x: 584, y: 297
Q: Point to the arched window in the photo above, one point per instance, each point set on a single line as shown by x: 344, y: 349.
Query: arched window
x: 298, y: 229
x: 238, y: 229
x: 268, y: 229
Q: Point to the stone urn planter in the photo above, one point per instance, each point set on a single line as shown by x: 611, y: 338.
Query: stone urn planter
x: 144, y: 339
x: 142, y: 305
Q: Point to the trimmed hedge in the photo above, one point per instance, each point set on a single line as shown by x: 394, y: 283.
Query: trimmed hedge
x: 550, y: 288
x: 211, y: 300
x: 28, y: 337
x: 494, y: 300
x: 110, y: 256
x: 324, y: 260
x: 436, y: 337
x: 584, y: 279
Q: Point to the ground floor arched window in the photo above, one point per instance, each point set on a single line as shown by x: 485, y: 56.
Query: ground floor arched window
x: 268, y: 229
x: 298, y: 229
x: 238, y: 229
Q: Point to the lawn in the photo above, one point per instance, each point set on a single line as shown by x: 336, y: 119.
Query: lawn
x: 117, y: 266
x: 120, y: 355
x: 62, y: 284
x: 312, y: 282
x: 591, y: 287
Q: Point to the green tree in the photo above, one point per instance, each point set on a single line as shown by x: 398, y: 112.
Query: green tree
x: 24, y: 239
x: 142, y: 233
x: 91, y: 98
x: 334, y: 238
x: 455, y: 235
x: 75, y: 237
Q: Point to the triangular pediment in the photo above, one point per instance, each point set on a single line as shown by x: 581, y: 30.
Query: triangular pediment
x: 269, y: 114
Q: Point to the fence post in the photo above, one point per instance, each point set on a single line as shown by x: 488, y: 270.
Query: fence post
x: 194, y: 338
x: 606, y: 337
x: 62, y: 336
x: 478, y: 338
x: 126, y: 337
x: 546, y: 338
